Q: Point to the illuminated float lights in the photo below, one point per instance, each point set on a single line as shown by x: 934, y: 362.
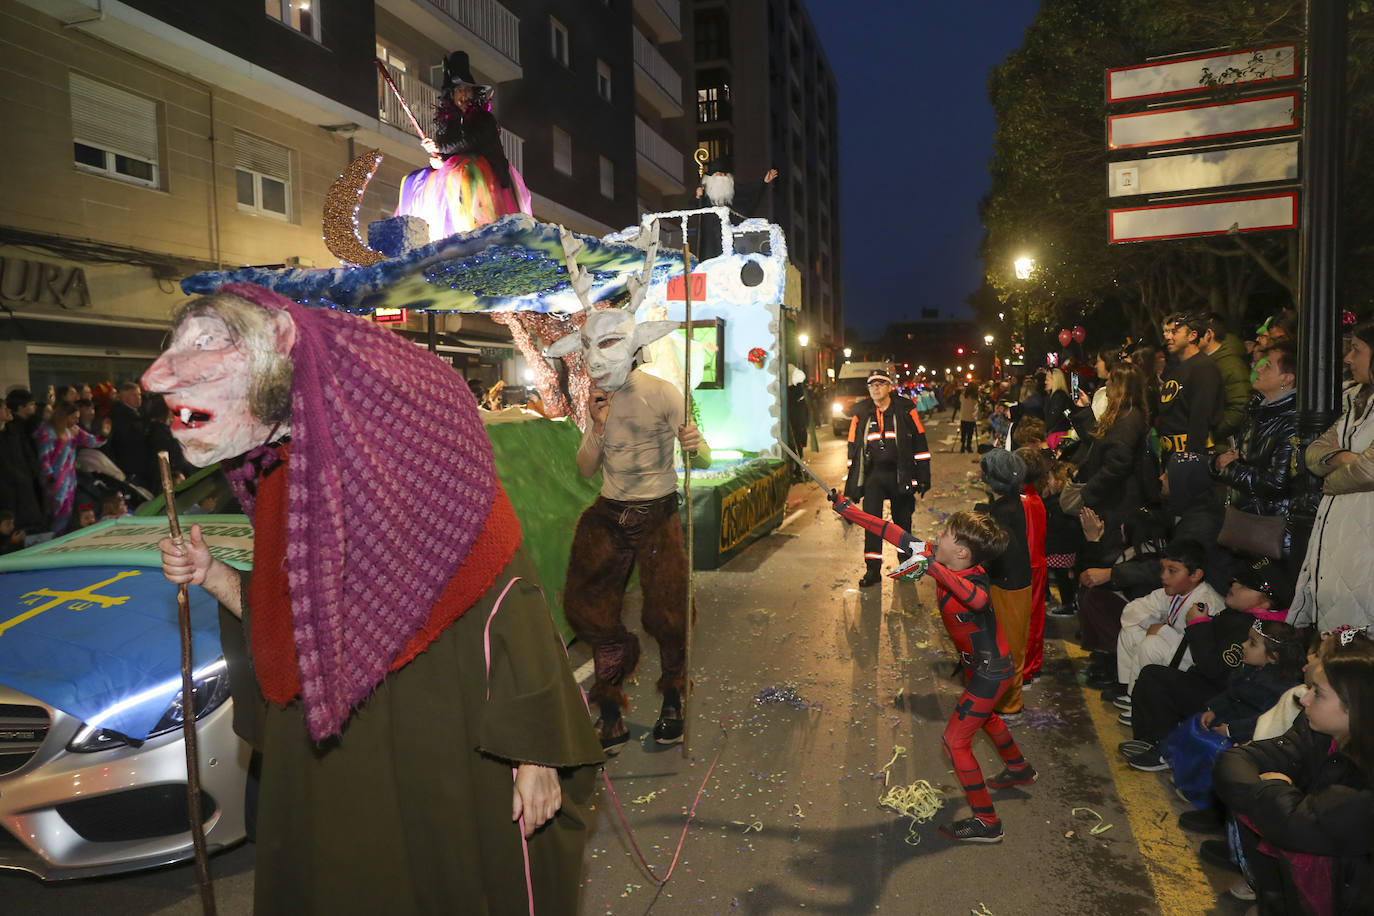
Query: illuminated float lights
x: 341, y: 206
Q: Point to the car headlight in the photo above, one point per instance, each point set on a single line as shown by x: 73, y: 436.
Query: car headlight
x: 837, y: 407
x: 209, y: 689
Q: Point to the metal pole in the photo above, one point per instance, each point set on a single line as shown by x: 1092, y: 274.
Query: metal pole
x: 433, y: 331
x: 687, y: 488
x: 1322, y: 179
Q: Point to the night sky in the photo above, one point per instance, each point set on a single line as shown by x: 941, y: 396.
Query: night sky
x: 915, y: 140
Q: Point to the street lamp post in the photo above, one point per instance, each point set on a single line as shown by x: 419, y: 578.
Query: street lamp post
x: 1025, y: 266
x: 992, y: 354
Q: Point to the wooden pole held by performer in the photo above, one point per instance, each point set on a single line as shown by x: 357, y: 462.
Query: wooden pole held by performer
x: 687, y: 489
x: 386, y: 75
x: 188, y: 706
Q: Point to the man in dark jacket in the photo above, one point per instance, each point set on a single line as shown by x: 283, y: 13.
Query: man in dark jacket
x: 1226, y: 351
x: 128, y: 445
x: 888, y: 460
x: 21, y: 487
x: 1191, y: 397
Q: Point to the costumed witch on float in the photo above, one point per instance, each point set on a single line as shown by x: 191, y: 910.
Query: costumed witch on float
x: 635, y: 421
x: 396, y: 665
x: 469, y: 182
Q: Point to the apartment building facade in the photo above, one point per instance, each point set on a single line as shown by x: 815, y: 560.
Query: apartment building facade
x: 767, y: 98
x: 149, y: 139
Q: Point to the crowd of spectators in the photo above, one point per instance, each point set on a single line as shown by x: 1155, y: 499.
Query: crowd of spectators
x: 79, y: 455
x: 1164, y: 483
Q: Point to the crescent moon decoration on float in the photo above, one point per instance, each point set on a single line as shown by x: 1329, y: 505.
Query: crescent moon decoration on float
x: 341, y: 212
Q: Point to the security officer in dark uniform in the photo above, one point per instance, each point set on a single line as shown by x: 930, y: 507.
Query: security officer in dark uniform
x: 888, y: 460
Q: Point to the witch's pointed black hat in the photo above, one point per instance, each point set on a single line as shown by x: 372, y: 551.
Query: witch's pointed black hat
x: 458, y: 70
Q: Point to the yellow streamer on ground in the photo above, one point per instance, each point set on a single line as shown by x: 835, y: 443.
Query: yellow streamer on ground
x: 1100, y: 828
x: 919, y: 801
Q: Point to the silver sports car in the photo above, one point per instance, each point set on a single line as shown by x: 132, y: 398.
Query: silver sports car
x: 92, y: 761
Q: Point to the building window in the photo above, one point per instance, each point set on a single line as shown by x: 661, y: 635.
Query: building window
x: 717, y: 146
x: 562, y: 151
x: 712, y: 34
x: 301, y: 15
x: 607, y: 178
x: 558, y: 41
x: 603, y: 80
x: 713, y: 96
x: 262, y: 176
x: 114, y: 132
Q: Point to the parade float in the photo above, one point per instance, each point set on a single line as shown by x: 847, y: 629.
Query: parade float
x: 540, y: 280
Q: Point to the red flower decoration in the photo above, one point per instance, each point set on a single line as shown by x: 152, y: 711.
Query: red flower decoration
x: 1347, y: 317
x: 757, y: 356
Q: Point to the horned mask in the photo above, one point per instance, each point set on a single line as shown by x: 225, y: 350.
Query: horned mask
x: 610, y: 339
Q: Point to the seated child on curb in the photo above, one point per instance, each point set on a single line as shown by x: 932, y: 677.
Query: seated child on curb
x: 1152, y: 627
x: 1164, y: 696
x: 1272, y: 660
x: 1304, y: 802
x: 969, y: 540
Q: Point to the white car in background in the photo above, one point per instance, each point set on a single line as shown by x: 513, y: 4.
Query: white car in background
x: 92, y: 761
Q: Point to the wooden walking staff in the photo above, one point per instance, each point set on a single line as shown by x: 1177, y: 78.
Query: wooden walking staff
x: 687, y: 485
x: 188, y: 706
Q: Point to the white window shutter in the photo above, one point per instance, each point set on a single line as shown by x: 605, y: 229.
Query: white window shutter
x: 262, y: 156
x: 112, y: 119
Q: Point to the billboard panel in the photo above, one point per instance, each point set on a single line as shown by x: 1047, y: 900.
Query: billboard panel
x: 1220, y: 168
x: 1209, y: 121
x: 1198, y: 218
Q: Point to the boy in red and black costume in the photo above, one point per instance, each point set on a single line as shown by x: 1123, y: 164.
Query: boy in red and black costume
x: 969, y: 540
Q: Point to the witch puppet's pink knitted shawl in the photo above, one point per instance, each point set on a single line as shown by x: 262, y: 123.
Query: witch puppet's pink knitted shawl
x: 391, y: 480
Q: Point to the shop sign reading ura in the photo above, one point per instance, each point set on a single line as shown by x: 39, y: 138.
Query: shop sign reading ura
x: 43, y: 283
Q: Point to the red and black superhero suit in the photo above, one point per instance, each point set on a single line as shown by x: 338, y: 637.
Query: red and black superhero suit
x: 966, y: 608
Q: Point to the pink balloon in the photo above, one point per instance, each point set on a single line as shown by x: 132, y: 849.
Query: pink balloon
x: 1064, y: 337
x: 1079, y: 333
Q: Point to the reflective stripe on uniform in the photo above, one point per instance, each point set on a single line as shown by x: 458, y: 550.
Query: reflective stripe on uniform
x: 873, y: 556
x: 923, y: 456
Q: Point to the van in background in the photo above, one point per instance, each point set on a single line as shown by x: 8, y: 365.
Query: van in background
x: 851, y: 387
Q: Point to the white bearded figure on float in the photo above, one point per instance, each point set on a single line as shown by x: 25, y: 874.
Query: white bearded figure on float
x: 384, y: 544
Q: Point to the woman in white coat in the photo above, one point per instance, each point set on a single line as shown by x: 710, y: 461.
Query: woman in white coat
x: 1336, y: 583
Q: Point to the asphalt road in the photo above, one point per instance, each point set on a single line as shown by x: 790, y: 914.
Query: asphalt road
x: 806, y: 690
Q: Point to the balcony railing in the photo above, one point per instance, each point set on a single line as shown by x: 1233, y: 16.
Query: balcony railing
x: 660, y: 154
x: 661, y: 73
x: 419, y: 95
x: 515, y: 149
x: 488, y: 20
x: 664, y: 17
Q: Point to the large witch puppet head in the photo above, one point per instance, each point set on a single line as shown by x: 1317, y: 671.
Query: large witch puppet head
x: 391, y: 477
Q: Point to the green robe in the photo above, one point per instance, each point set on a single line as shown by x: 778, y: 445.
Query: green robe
x: 409, y: 810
